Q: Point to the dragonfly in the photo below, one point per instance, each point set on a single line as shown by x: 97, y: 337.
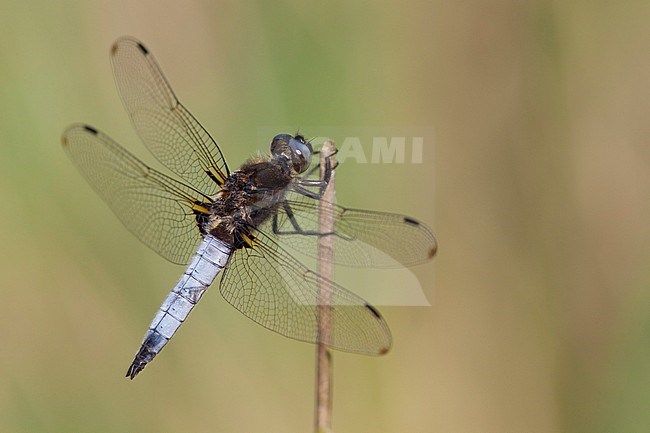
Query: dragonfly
x: 239, y: 224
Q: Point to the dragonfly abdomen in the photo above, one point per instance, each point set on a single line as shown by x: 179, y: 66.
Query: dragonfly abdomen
x: 210, y: 258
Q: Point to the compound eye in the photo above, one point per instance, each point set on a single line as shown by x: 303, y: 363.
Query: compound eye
x: 280, y: 144
x: 302, y: 151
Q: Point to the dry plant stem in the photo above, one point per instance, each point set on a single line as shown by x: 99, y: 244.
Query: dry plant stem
x: 323, y: 355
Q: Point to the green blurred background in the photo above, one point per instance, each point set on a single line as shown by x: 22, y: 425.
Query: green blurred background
x: 540, y: 318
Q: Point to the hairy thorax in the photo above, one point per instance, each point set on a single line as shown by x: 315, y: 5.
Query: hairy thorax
x: 248, y: 198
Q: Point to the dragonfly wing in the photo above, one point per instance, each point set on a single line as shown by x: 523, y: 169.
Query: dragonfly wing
x: 170, y: 132
x: 361, y: 238
x: 159, y: 210
x: 274, y: 289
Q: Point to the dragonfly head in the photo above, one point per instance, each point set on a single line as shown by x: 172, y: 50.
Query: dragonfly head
x: 295, y: 150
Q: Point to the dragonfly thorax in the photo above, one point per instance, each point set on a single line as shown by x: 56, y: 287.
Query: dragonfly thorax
x: 248, y: 198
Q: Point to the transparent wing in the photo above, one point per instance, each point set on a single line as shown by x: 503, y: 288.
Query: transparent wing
x: 275, y: 290
x: 159, y: 210
x: 170, y: 132
x: 362, y: 238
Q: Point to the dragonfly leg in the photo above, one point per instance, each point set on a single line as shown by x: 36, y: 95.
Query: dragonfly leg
x: 297, y: 230
x: 307, y: 193
x: 321, y: 184
x: 317, y: 166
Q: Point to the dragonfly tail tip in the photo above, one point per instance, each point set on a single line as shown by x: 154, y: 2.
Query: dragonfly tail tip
x: 135, y: 368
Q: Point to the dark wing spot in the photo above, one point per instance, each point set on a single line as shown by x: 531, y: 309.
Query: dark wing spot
x: 432, y: 251
x: 142, y: 48
x: 374, y: 311
x: 384, y: 350
x: 90, y: 129
x: 408, y: 220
